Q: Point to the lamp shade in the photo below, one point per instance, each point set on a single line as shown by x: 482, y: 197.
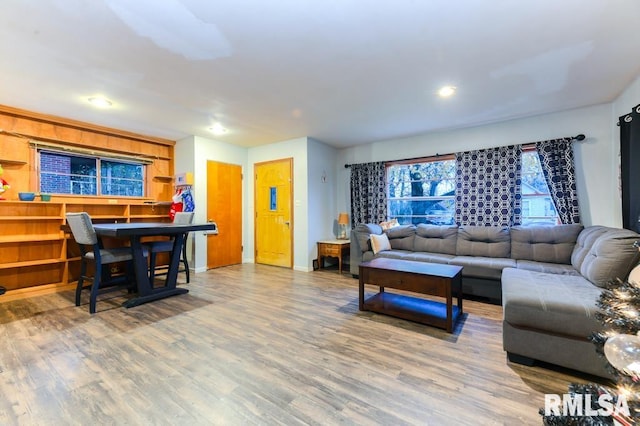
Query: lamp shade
x: 343, y: 219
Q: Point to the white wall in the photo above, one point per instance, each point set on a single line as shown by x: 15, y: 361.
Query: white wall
x: 191, y: 155
x: 596, y: 177
x: 296, y: 149
x: 628, y: 99
x: 323, y: 211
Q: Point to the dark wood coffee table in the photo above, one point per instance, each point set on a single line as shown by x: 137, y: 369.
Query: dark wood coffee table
x: 417, y: 277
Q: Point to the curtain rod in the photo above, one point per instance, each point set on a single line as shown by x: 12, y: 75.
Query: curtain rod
x: 579, y: 137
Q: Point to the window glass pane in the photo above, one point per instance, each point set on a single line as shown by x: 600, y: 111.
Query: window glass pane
x: 273, y: 198
x: 537, y: 205
x: 66, y: 174
x: 73, y: 174
x: 422, y: 192
x: 121, y: 179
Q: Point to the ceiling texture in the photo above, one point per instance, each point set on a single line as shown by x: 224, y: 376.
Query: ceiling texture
x: 345, y: 72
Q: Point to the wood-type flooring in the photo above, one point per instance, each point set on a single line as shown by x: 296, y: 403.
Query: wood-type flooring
x: 253, y: 344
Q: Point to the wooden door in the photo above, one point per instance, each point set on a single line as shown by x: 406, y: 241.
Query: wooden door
x: 274, y: 217
x: 224, y: 207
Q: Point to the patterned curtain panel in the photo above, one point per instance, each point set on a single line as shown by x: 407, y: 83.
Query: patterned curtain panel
x: 630, y: 169
x: 368, y: 193
x: 556, y: 160
x: 488, y: 187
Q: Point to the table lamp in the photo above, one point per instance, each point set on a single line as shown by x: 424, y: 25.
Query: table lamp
x: 343, y: 221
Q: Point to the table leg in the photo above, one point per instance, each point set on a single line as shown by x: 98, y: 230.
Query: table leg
x: 146, y: 291
x: 140, y: 267
x: 361, y: 292
x: 450, y: 309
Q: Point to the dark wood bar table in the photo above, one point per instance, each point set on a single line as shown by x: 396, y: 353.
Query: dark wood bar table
x: 135, y: 232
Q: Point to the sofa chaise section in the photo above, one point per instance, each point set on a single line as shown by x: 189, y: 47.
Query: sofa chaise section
x: 550, y: 316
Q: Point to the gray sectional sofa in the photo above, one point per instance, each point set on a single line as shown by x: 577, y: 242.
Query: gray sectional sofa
x: 548, y: 278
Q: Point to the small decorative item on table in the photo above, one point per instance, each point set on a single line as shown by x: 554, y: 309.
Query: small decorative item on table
x: 26, y: 196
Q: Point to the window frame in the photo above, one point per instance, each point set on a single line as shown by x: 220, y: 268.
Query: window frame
x: 529, y: 149
x: 549, y: 204
x: 98, y: 159
x: 426, y: 218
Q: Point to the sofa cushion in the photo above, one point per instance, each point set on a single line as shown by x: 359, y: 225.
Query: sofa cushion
x: 485, y: 241
x: 401, y: 237
x: 562, y: 304
x: 483, y: 267
x: 431, y: 257
x: 551, y: 244
x: 379, y: 243
x: 603, y: 254
x: 396, y: 254
x: 435, y: 239
x: 549, y: 268
x: 362, y: 233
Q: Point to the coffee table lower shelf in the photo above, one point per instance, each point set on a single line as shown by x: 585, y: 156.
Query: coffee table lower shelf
x: 423, y: 311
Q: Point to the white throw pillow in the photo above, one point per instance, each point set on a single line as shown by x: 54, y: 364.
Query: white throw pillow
x: 379, y: 243
x: 634, y: 276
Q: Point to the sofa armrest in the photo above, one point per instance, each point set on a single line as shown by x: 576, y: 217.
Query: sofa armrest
x: 360, y: 244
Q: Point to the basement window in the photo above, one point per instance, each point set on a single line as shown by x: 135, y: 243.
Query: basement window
x: 63, y: 173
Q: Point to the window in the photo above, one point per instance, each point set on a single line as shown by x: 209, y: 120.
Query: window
x: 62, y: 173
x: 425, y: 192
x: 422, y: 192
x: 537, y: 205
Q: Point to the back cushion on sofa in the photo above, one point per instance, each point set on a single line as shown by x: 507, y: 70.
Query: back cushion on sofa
x: 362, y: 233
x: 544, y: 243
x: 436, y: 238
x: 401, y: 237
x: 486, y: 241
x: 603, y: 254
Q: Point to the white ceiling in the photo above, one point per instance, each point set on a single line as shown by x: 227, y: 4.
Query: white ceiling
x: 345, y: 72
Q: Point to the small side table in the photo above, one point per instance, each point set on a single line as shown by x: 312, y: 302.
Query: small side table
x: 332, y: 248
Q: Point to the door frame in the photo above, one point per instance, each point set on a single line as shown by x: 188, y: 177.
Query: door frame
x: 291, y: 205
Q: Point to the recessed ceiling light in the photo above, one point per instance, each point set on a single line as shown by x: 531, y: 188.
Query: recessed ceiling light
x: 100, y: 102
x: 217, y: 129
x: 446, y: 91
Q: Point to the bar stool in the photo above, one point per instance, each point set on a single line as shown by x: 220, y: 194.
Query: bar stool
x: 166, y: 246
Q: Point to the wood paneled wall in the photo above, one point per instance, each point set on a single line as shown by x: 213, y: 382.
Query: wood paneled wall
x: 19, y: 127
x: 37, y: 256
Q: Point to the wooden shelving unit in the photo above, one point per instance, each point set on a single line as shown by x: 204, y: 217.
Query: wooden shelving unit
x: 36, y: 252
x: 12, y: 162
x: 149, y: 212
